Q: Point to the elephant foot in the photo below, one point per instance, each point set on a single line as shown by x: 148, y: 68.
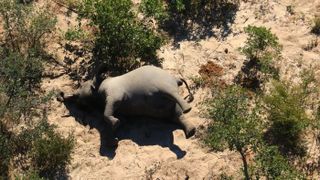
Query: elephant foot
x: 189, y: 132
x: 115, y: 123
x: 112, y: 142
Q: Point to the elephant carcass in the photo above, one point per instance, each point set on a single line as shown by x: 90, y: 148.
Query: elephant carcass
x: 147, y: 91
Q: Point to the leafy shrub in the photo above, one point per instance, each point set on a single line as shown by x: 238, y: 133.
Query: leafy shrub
x: 21, y: 103
x: 51, y: 152
x: 155, y: 8
x: 286, y: 109
x: 5, y: 154
x: 123, y: 42
x: 191, y: 18
x: 25, y: 28
x: 272, y: 165
x: 236, y: 124
x: 262, y: 49
x: 316, y: 27
x: 30, y: 175
x: 196, y: 8
x: 71, y: 3
x: 75, y: 34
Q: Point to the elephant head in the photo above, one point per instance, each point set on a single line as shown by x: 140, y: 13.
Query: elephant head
x: 86, y: 97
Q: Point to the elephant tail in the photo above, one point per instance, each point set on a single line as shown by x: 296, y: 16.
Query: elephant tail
x: 190, y: 95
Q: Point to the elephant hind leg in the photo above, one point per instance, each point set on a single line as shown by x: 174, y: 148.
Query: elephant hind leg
x: 187, y: 126
x: 176, y: 98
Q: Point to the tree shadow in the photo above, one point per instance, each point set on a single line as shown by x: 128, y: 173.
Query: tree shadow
x: 142, y: 131
x: 290, y: 145
x: 199, y: 24
x: 248, y: 77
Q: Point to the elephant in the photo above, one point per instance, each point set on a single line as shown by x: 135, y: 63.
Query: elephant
x: 147, y: 91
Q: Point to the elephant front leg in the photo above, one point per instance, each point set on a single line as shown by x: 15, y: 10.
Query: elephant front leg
x: 112, y: 121
x: 108, y: 114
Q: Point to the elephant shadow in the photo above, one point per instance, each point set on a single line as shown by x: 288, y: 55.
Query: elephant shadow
x: 143, y: 131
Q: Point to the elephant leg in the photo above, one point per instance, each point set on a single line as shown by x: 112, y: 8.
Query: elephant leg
x: 108, y: 113
x: 188, y: 127
x: 113, y: 122
x: 174, y: 95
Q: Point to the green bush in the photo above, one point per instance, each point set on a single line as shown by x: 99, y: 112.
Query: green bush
x: 272, y: 165
x: 192, y: 19
x: 236, y: 124
x: 155, y: 8
x: 123, y: 42
x: 262, y: 49
x: 22, y: 54
x: 51, y: 153
x: 5, y: 154
x: 197, y: 8
x: 286, y: 110
x: 75, y: 34
x: 25, y: 27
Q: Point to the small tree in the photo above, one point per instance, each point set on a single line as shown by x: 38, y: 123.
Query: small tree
x: 272, y: 165
x: 262, y: 49
x: 21, y: 103
x: 156, y: 9
x: 236, y: 124
x: 123, y: 42
x: 193, y: 18
x: 286, y: 112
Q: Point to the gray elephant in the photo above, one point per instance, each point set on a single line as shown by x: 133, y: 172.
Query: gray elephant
x: 147, y: 91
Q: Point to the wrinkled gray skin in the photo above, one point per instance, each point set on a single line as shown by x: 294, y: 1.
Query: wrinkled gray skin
x: 147, y: 91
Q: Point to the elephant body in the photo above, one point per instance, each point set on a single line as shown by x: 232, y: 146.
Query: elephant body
x: 147, y: 91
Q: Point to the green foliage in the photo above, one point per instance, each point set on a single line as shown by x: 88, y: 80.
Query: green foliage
x: 51, y: 152
x: 123, y: 42
x: 262, y: 49
x: 30, y: 175
x: 75, y: 34
x: 25, y: 28
x: 5, y: 153
x: 21, y: 103
x: 260, y: 39
x: 272, y: 165
x: 236, y: 124
x: 286, y: 109
x: 262, y: 46
x: 193, y: 19
x: 155, y: 8
x: 316, y: 27
x: 21, y: 58
x: 197, y: 8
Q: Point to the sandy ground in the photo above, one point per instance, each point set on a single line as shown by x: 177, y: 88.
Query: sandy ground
x: 151, y: 150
